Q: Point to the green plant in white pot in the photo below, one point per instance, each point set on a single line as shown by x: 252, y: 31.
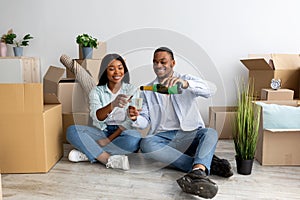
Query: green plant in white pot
x: 246, y: 127
x: 87, y: 43
x: 11, y: 38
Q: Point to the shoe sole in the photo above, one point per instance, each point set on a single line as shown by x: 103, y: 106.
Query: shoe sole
x: 202, y: 189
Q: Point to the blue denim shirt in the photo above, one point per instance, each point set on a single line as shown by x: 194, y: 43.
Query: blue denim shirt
x: 185, y: 105
x: 101, y: 96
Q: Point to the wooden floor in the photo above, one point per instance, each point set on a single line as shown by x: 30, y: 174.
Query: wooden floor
x: 147, y: 180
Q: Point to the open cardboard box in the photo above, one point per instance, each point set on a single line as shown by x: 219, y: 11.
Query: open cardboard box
x: 65, y: 91
x: 31, y: 123
x: 221, y: 118
x: 278, y: 146
x: 264, y: 67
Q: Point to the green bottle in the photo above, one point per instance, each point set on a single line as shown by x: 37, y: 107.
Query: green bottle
x: 176, y: 89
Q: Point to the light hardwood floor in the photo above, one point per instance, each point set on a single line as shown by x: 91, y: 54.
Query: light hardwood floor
x: 147, y: 180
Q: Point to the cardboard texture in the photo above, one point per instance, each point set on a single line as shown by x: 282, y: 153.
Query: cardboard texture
x: 31, y: 132
x: 20, y: 70
x: 71, y: 96
x: 264, y: 67
x: 278, y: 146
x: 221, y: 119
x: 280, y: 94
x: 73, y: 119
x: 98, y: 53
x: 65, y: 91
x: 92, y: 66
x: 51, y: 81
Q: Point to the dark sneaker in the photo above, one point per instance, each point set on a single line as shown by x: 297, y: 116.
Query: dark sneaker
x: 197, y: 183
x: 220, y: 167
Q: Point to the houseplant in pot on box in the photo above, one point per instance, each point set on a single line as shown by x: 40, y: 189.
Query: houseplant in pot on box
x: 86, y: 43
x: 246, y: 127
x: 11, y: 38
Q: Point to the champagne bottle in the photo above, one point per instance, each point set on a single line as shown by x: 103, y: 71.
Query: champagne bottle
x: 176, y: 89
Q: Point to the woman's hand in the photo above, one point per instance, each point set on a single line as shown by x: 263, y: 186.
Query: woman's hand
x: 132, y: 113
x: 120, y: 101
x: 103, y: 142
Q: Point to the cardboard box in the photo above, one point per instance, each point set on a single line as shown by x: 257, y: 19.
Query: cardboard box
x: 31, y: 132
x: 263, y: 68
x: 92, y: 66
x: 278, y: 146
x: 98, y: 53
x: 73, y: 118
x: 19, y: 70
x: 280, y: 94
x: 65, y: 91
x: 71, y: 96
x: 222, y: 119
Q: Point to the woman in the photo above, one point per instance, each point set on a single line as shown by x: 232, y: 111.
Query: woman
x: 108, y: 141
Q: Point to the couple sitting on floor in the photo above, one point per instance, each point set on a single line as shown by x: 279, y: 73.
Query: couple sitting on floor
x: 177, y: 134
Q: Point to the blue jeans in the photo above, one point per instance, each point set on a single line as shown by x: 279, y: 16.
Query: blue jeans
x: 84, y: 138
x: 182, y: 149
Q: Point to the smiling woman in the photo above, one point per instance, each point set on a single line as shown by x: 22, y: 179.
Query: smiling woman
x: 108, y: 107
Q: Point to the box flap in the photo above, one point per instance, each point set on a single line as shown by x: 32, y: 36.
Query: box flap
x: 51, y: 80
x: 275, y: 61
x: 256, y: 64
x: 286, y: 61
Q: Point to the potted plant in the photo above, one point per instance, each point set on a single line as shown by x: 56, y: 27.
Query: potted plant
x: 246, y: 127
x: 86, y: 43
x: 11, y: 38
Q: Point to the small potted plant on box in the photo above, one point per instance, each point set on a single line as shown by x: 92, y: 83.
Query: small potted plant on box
x: 86, y: 43
x: 246, y: 128
x: 10, y: 38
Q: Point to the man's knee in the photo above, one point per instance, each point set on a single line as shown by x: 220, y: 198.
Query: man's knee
x: 212, y: 134
x: 147, y: 144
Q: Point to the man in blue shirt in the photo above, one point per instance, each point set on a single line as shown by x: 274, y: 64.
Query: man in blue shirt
x: 177, y: 134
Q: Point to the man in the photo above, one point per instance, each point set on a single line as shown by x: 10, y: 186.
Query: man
x: 177, y: 134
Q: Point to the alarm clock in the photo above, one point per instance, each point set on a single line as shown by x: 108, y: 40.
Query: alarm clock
x: 275, y: 84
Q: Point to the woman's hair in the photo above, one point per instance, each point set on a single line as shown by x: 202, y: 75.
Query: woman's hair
x: 103, y: 80
x: 165, y: 49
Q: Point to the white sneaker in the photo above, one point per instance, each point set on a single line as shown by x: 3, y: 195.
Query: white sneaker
x: 77, y: 156
x: 118, y: 162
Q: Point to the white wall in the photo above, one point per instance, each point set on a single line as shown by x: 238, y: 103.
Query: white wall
x: 208, y: 37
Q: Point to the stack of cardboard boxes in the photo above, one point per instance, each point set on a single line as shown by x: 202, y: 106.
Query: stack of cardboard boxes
x: 75, y: 102
x: 34, y: 116
x: 275, y: 147
x: 30, y: 127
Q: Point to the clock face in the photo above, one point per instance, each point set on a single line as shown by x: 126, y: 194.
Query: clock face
x: 275, y: 84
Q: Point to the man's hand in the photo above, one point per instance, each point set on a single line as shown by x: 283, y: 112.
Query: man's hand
x: 133, y: 113
x: 171, y: 81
